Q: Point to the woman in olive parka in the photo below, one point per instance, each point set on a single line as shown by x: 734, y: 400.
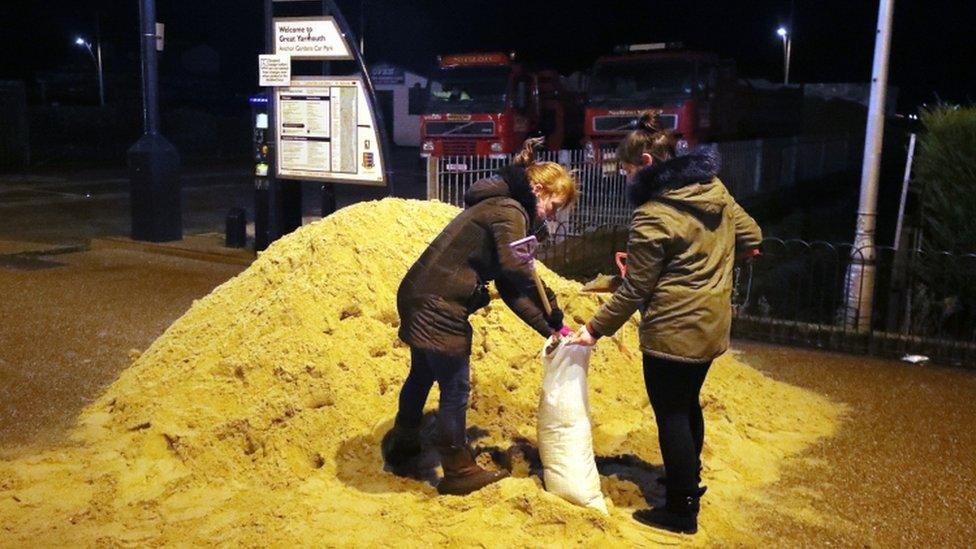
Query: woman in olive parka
x: 685, y: 235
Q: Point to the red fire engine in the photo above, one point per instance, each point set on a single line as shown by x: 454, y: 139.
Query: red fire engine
x: 487, y: 105
x: 693, y: 90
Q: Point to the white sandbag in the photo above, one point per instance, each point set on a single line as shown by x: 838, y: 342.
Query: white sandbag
x: 565, y: 440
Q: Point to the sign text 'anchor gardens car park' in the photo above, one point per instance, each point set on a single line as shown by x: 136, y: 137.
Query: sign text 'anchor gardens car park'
x: 310, y: 38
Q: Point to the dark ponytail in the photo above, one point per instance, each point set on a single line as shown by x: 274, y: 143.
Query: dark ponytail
x: 647, y: 137
x: 526, y: 156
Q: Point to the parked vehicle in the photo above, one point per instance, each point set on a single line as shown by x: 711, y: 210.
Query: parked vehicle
x: 695, y: 92
x: 486, y: 104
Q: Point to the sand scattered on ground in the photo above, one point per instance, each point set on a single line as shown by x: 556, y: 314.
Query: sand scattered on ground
x: 255, y: 419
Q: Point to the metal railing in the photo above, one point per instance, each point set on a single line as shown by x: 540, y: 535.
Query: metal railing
x: 603, y: 198
x: 798, y: 292
x: 749, y: 168
x: 922, y: 303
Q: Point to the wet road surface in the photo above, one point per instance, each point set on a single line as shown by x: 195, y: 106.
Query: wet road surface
x: 902, y: 470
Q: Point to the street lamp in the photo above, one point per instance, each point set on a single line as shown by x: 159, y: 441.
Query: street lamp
x: 787, y: 50
x: 96, y: 55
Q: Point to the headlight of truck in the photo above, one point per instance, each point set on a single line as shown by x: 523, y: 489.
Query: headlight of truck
x: 428, y: 146
x: 496, y: 147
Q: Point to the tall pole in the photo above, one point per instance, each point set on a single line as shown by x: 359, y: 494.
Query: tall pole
x: 154, y: 163
x: 860, y: 290
x: 784, y: 33
x: 789, y: 55
x: 98, y: 60
x: 150, y: 67
x: 787, y: 46
x: 905, y: 182
x: 101, y: 77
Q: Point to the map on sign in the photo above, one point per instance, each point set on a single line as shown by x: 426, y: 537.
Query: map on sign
x: 327, y: 132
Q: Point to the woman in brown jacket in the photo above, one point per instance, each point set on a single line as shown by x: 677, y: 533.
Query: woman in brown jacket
x: 446, y: 285
x: 684, y: 237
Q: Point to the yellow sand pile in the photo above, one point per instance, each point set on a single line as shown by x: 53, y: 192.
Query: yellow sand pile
x: 256, y: 418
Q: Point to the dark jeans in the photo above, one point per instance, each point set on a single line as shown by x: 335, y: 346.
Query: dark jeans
x: 673, y: 388
x: 452, y: 374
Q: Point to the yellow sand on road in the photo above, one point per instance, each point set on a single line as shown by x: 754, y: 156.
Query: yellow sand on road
x: 255, y: 419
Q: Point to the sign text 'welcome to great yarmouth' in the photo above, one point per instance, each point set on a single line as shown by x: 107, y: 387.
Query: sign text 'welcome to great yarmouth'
x: 310, y: 38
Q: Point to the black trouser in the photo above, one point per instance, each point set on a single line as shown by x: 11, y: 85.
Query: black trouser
x: 673, y: 388
x: 453, y: 376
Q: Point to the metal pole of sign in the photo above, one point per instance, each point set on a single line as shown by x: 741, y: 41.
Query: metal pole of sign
x: 362, y: 27
x: 267, y: 203
x: 860, y: 294
x: 328, y: 191
x: 370, y: 95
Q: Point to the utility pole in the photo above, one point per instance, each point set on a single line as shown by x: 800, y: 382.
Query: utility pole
x: 860, y: 280
x: 153, y: 161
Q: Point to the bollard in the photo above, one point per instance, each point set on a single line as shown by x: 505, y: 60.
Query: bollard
x: 236, y: 236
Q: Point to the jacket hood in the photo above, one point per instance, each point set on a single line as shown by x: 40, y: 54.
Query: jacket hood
x: 511, y: 182
x: 687, y: 181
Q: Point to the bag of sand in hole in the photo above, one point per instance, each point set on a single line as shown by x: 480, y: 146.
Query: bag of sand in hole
x: 565, y: 440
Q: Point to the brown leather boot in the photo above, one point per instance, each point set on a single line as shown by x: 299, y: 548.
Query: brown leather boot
x: 461, y: 474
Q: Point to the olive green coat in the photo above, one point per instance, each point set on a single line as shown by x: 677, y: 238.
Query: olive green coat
x: 684, y: 239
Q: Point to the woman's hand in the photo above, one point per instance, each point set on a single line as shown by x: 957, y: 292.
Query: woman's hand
x: 582, y: 337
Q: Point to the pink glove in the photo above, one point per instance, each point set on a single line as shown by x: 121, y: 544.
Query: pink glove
x: 565, y: 331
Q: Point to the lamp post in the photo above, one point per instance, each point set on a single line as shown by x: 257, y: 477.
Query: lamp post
x: 154, y: 163
x: 96, y: 55
x: 787, y: 51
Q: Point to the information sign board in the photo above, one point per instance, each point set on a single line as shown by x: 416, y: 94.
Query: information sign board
x: 327, y: 132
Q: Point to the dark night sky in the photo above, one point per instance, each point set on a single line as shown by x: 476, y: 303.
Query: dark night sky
x: 932, y: 49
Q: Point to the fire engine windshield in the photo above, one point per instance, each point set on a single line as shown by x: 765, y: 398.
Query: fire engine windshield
x: 469, y: 89
x: 641, y: 80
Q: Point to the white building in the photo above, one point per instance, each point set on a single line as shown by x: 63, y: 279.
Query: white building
x: 404, y: 94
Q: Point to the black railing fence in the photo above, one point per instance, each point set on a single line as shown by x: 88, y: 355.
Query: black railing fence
x: 809, y: 293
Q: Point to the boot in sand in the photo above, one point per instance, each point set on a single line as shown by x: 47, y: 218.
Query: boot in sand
x: 461, y: 474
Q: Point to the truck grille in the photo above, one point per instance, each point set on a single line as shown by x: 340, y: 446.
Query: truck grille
x: 464, y: 147
x: 460, y: 128
x: 624, y: 123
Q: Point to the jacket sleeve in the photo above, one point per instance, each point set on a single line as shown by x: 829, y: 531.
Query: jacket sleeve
x: 525, y: 307
x: 748, y: 235
x: 515, y: 283
x: 646, y: 256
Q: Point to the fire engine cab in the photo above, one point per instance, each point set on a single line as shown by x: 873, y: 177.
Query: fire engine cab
x: 693, y: 90
x: 486, y: 104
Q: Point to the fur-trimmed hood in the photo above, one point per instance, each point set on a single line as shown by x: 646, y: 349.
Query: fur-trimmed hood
x: 511, y: 181
x: 686, y: 179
